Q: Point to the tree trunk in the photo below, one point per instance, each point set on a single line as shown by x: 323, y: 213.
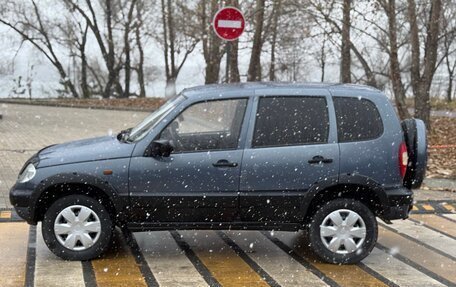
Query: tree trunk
x: 276, y: 11
x: 172, y: 37
x: 127, y: 49
x: 423, y: 86
x: 395, y: 71
x: 112, y: 77
x: 170, y: 89
x: 450, y: 88
x: 84, y: 64
x: 323, y: 60
x: 415, y: 47
x: 140, y: 71
x: 254, y: 72
x: 235, y: 76
x: 212, y: 49
x: 212, y: 72
x: 84, y: 84
x: 345, y: 64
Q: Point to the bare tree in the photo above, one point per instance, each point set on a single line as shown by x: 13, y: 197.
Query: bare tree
x: 321, y: 14
x: 212, y: 45
x: 233, y: 73
x: 37, y: 31
x: 450, y: 62
x: 422, y: 81
x: 128, y: 23
x: 104, y: 39
x: 254, y: 72
x: 276, y: 11
x: 74, y: 37
x: 139, y: 44
x: 389, y: 7
x: 174, y: 44
x: 345, y: 63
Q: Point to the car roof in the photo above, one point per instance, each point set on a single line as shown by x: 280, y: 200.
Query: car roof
x: 232, y: 87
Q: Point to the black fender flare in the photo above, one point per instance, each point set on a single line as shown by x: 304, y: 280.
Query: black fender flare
x: 119, y: 204
x: 346, y: 179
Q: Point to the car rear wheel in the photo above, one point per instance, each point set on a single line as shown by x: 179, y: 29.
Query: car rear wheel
x: 343, y: 231
x: 77, y: 227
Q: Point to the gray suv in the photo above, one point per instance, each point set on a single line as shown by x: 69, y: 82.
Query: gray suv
x: 325, y: 158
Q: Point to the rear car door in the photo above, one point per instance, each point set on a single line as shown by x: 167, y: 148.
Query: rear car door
x: 292, y: 146
x: 199, y: 181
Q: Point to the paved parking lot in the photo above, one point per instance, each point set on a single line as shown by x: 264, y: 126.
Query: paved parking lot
x: 420, y: 251
x: 416, y: 252
x: 25, y: 129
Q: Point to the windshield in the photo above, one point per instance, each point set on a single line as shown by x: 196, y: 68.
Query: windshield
x: 141, y: 130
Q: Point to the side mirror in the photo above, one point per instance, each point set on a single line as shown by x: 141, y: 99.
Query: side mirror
x: 159, y: 148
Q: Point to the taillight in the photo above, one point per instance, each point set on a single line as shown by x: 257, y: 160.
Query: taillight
x: 403, y: 159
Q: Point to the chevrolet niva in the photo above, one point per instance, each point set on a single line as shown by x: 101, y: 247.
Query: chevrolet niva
x: 325, y: 158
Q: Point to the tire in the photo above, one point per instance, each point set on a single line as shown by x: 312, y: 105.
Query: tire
x: 321, y: 218
x: 416, y: 142
x: 81, y: 233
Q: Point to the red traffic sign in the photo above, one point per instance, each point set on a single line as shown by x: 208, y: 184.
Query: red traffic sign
x: 229, y: 23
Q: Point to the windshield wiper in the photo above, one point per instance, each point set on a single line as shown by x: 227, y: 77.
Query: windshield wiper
x: 123, y: 135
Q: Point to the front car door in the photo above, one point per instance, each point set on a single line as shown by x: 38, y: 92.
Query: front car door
x: 199, y: 181
x: 292, y: 146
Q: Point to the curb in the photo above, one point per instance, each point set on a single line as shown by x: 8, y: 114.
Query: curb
x: 60, y: 105
x: 440, y: 184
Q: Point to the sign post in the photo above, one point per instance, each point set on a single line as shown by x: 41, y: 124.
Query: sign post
x: 228, y: 24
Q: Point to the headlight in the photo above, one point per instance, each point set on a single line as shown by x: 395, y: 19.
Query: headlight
x: 28, y: 173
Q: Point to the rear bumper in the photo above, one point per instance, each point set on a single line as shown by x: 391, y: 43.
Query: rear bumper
x: 399, y: 203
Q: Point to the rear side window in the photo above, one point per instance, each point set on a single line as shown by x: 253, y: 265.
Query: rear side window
x: 282, y: 121
x: 357, y: 119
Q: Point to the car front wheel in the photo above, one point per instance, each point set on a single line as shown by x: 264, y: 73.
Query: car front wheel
x: 77, y: 227
x: 343, y: 231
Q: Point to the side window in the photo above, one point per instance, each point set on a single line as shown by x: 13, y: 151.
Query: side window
x: 282, y: 121
x: 357, y: 119
x: 211, y: 125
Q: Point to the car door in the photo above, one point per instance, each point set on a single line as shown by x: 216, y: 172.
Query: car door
x: 199, y: 181
x: 292, y: 146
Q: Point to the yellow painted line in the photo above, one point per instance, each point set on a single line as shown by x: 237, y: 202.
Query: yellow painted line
x: 438, y: 264
x: 118, y: 267
x: 346, y: 275
x: 13, y: 254
x: 437, y: 222
x: 6, y: 214
x: 221, y: 261
x: 343, y: 275
x: 415, y: 208
x: 428, y: 207
x: 449, y: 207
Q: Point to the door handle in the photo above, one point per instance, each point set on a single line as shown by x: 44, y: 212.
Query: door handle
x: 225, y: 163
x: 319, y: 159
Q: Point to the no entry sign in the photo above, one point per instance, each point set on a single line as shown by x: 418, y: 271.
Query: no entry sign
x: 229, y: 23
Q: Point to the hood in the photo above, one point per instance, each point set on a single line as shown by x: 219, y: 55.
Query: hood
x: 107, y: 147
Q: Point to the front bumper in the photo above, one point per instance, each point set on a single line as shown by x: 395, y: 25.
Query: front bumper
x: 399, y: 203
x: 20, y: 199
